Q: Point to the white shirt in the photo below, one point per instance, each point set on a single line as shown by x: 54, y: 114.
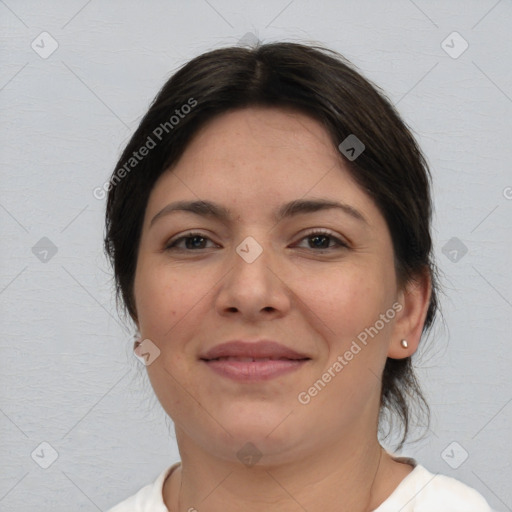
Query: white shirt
x: 419, y: 491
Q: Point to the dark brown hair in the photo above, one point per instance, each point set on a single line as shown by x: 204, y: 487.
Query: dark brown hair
x: 322, y: 84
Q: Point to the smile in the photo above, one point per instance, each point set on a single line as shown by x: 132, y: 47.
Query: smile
x: 248, y: 369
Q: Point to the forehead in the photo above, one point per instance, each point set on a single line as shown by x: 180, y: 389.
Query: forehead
x: 256, y: 159
x: 263, y: 134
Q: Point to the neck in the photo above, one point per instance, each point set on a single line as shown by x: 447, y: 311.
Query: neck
x: 353, y: 476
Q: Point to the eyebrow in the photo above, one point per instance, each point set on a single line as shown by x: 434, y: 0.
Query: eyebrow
x: 296, y: 207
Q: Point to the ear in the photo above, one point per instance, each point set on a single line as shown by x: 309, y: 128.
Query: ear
x: 415, y: 299
x: 137, y: 337
x: 134, y: 318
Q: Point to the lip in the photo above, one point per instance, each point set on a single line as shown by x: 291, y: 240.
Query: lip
x: 256, y: 349
x: 269, y: 360
x: 245, y: 371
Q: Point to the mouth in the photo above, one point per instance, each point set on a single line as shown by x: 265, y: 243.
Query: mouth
x: 259, y: 360
x: 251, y: 369
x: 249, y: 359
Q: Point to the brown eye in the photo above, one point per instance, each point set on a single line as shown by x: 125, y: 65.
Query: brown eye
x: 320, y: 239
x: 193, y: 241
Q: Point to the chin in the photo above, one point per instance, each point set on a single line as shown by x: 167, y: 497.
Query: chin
x: 267, y: 434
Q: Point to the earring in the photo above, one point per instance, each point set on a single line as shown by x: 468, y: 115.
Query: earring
x: 404, y: 344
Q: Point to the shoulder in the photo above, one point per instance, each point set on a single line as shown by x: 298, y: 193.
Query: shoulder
x: 447, y: 493
x: 423, y: 491
x: 147, y: 499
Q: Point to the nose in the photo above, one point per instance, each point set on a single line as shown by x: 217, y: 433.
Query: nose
x: 254, y: 288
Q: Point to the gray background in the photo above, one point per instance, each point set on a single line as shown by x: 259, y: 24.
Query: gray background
x: 67, y: 372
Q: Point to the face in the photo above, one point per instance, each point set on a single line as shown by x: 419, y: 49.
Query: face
x: 322, y: 283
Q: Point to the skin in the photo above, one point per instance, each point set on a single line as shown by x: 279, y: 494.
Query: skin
x: 323, y: 456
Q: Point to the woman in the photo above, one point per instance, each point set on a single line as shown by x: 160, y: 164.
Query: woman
x: 269, y: 228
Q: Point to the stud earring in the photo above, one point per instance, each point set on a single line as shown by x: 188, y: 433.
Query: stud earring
x: 404, y: 344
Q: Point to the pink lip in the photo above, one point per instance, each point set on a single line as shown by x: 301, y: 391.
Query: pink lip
x: 256, y: 349
x: 271, y: 360
x: 255, y: 370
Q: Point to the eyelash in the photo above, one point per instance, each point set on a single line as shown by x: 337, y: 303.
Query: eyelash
x: 171, y: 246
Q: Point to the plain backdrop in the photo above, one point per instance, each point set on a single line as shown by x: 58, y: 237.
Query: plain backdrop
x: 80, y: 426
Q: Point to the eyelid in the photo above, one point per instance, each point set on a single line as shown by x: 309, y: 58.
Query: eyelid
x: 342, y: 241
x: 339, y: 240
x: 187, y: 234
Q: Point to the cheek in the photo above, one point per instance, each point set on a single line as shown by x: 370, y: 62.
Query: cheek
x: 160, y: 296
x: 344, y: 300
